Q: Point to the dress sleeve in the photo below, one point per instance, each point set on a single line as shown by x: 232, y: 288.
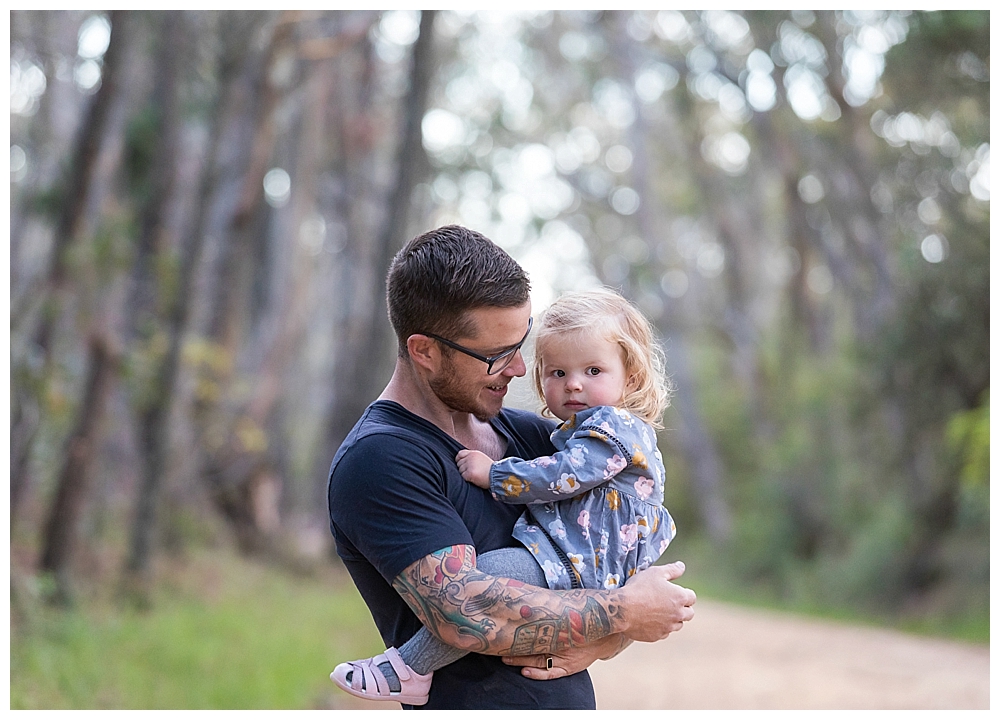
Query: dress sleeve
x: 591, y: 457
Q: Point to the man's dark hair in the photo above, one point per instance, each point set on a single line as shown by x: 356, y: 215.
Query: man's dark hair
x: 441, y: 275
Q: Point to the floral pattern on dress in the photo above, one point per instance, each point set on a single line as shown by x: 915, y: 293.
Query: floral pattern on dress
x: 514, y: 486
x: 565, y: 485
x: 596, y: 504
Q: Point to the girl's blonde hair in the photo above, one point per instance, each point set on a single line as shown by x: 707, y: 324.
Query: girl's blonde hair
x: 605, y: 313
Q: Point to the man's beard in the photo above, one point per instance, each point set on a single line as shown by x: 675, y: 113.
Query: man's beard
x: 458, y: 397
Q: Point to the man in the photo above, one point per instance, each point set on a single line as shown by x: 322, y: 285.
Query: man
x: 408, y: 527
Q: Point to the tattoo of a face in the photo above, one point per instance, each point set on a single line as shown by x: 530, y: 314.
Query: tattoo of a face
x: 547, y: 632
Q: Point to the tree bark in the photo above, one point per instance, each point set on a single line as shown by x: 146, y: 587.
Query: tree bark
x: 358, y: 379
x: 62, y: 529
x: 231, y: 466
x: 78, y: 182
x: 155, y: 402
x: 53, y: 35
x: 696, y: 444
x: 27, y: 413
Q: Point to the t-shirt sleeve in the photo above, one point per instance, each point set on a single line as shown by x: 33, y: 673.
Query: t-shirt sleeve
x: 387, y: 498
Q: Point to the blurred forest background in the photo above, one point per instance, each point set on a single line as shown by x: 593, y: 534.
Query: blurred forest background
x: 203, y: 206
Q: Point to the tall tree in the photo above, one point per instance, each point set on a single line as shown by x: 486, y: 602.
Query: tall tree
x: 62, y: 528
x: 699, y: 450
x: 358, y: 379
x: 146, y: 294
x: 229, y: 456
x: 76, y: 188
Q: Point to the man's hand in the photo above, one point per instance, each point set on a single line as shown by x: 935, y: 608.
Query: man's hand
x: 569, y: 661
x: 475, y: 467
x: 474, y: 611
x: 652, y: 606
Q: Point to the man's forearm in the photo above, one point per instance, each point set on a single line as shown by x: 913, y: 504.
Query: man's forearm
x: 481, y: 613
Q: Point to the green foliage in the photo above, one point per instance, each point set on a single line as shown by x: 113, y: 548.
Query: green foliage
x: 98, y: 262
x: 144, y: 367
x: 856, y: 472
x: 141, y: 138
x: 227, y: 634
x: 168, y: 279
x: 944, y: 64
x: 968, y: 435
x: 49, y: 201
x: 935, y: 352
x: 963, y: 615
x: 825, y: 517
x: 868, y: 574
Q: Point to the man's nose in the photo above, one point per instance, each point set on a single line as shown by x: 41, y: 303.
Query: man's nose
x: 517, y: 367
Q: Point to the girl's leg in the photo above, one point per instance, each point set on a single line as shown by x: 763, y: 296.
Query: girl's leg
x: 424, y: 652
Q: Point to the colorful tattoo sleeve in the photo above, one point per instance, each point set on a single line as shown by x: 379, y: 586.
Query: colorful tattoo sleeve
x: 499, y: 616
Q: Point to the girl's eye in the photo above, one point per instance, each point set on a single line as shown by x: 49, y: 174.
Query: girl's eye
x: 559, y: 373
x: 593, y: 371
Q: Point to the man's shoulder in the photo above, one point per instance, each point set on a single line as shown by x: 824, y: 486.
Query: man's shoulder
x: 385, y: 435
x: 386, y: 421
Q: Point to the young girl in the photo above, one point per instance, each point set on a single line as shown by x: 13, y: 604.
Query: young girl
x: 593, y: 511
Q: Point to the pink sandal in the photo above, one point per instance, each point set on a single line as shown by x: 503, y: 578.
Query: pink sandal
x: 368, y: 682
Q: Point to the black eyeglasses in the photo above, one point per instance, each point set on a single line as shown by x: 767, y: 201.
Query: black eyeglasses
x: 494, y: 364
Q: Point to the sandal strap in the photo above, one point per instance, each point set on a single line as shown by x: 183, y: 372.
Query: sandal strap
x: 357, y: 677
x: 374, y: 679
x: 367, y: 678
x: 402, y: 669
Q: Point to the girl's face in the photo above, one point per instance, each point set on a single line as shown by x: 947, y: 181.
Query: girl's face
x: 581, y: 371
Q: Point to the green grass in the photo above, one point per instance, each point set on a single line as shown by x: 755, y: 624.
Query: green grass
x: 228, y: 634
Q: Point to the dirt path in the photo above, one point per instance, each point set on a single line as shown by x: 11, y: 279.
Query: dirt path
x: 735, y: 658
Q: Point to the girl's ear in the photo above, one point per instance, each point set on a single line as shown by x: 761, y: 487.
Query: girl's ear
x: 632, y: 383
x: 423, y: 351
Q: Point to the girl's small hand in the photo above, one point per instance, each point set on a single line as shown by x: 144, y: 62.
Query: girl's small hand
x: 475, y: 467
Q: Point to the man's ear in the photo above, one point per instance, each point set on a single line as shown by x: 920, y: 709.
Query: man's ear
x: 423, y: 351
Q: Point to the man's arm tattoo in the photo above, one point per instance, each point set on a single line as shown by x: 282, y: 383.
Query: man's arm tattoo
x: 499, y: 616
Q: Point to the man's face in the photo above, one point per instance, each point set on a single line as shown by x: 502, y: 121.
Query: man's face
x: 462, y: 383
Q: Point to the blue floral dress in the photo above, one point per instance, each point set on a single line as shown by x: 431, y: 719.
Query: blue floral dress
x: 595, y: 508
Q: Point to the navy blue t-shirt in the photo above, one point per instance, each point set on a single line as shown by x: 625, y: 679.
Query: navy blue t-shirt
x: 395, y: 496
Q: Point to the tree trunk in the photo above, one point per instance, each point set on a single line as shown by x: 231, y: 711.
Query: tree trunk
x: 699, y: 449
x: 30, y: 379
x: 78, y: 182
x: 155, y: 403
x: 61, y: 531
x: 358, y: 377
x: 696, y: 444
x: 55, y: 35
x: 155, y: 431
x: 231, y: 455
